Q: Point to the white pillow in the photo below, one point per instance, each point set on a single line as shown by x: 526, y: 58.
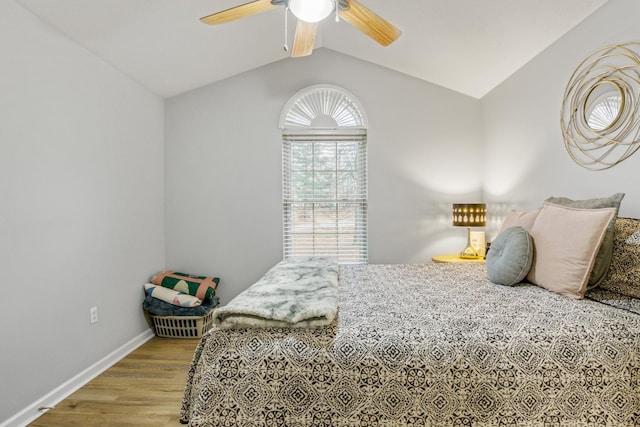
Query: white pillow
x: 566, y: 241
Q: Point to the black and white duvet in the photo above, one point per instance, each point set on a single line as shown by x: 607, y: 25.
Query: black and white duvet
x: 426, y: 345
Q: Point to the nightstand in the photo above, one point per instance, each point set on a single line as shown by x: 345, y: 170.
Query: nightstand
x: 456, y: 258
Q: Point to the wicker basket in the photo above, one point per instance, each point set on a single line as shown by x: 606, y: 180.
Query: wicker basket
x: 182, y: 326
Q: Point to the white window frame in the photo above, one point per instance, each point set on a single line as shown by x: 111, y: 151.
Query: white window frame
x: 328, y: 218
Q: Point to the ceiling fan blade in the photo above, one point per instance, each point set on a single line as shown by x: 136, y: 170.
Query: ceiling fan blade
x: 238, y: 12
x: 369, y: 23
x: 304, y: 39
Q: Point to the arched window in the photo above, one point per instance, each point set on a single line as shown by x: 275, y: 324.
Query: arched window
x: 324, y: 175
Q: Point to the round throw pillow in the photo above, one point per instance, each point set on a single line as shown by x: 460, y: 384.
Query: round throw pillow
x: 510, y: 256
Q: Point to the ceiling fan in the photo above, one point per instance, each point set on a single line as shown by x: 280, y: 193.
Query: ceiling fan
x: 309, y: 13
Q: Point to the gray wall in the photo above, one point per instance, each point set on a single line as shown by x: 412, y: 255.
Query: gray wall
x: 81, y: 207
x: 525, y: 157
x: 223, y: 168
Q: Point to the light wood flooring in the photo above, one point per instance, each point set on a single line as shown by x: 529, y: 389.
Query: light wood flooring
x: 143, y: 389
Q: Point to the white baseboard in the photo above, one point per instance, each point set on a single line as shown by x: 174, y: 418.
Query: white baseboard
x: 31, y: 412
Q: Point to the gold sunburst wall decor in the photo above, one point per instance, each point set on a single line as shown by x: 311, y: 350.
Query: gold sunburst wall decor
x: 600, y: 115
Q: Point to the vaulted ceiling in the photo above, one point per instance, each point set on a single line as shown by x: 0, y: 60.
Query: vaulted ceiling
x: 469, y: 46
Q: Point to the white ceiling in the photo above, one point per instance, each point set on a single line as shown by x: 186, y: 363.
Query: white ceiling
x: 469, y: 46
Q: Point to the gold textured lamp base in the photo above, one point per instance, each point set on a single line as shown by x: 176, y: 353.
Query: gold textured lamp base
x: 469, y: 252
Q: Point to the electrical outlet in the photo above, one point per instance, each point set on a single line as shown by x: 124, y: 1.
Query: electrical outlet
x: 93, y: 313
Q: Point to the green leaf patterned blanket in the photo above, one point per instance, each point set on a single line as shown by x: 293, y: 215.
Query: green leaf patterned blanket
x: 204, y: 288
x: 296, y: 293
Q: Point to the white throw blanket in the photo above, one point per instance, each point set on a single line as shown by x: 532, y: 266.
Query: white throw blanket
x: 295, y: 293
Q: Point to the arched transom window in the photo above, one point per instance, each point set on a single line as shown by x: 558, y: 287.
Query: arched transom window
x: 324, y: 175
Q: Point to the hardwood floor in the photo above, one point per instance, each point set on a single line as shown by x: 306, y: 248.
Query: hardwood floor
x: 143, y: 389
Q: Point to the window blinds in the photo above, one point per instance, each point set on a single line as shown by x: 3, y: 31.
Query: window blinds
x: 325, y: 196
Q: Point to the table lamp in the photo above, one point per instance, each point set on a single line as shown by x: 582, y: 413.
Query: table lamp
x: 469, y: 215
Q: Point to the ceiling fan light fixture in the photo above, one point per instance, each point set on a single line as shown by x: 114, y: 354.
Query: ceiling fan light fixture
x: 311, y: 10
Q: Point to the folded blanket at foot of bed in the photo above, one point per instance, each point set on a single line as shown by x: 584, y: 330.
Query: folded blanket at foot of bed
x: 296, y: 293
x: 199, y: 286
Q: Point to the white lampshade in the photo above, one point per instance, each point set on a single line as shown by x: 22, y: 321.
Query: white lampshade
x: 311, y: 10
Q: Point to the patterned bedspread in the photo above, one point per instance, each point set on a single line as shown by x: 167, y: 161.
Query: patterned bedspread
x: 433, y: 344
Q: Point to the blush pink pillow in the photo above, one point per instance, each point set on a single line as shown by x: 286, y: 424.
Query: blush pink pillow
x: 522, y: 219
x: 566, y: 241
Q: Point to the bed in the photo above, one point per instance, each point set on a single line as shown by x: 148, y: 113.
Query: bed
x: 433, y: 344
